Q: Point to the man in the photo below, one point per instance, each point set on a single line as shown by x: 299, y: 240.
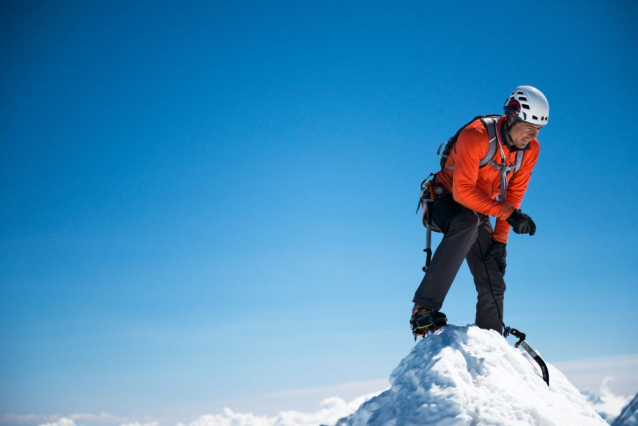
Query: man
x: 466, y: 197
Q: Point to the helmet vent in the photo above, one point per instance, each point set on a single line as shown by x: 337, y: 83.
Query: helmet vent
x: 528, y: 104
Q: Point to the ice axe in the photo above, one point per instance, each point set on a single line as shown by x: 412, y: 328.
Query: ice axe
x: 521, y: 342
x: 516, y: 333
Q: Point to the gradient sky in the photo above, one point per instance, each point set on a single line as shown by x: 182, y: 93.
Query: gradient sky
x: 209, y: 200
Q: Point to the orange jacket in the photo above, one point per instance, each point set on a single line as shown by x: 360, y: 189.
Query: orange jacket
x: 477, y: 188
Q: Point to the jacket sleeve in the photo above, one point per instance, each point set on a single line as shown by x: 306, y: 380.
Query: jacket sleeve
x: 471, y: 147
x: 516, y: 190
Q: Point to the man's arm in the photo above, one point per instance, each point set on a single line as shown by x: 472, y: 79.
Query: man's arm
x: 516, y: 190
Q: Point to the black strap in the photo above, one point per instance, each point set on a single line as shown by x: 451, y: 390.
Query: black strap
x: 491, y: 125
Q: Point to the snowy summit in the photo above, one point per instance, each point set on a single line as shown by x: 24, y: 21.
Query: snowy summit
x: 469, y: 376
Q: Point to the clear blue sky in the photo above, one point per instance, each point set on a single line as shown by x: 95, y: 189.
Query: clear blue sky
x: 210, y: 200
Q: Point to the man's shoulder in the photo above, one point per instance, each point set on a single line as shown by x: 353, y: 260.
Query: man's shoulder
x: 474, y: 139
x: 476, y: 126
x: 475, y: 131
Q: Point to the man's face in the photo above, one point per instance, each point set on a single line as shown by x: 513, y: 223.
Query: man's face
x: 522, y: 133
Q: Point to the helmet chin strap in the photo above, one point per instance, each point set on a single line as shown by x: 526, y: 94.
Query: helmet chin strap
x: 507, y: 126
x: 509, y: 123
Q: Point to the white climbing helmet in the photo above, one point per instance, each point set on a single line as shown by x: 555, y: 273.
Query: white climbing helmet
x: 528, y: 104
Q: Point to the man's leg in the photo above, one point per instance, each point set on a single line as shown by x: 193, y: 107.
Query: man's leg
x: 488, y: 280
x: 447, y: 260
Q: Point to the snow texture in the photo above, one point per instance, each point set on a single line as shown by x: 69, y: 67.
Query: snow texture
x: 629, y: 415
x: 605, y: 402
x: 469, y: 376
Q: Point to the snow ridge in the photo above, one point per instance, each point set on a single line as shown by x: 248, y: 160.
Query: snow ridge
x: 629, y: 415
x: 469, y: 376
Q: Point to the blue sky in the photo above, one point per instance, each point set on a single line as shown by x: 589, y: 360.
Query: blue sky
x: 205, y: 201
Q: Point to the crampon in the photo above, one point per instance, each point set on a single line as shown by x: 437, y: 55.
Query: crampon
x: 425, y: 320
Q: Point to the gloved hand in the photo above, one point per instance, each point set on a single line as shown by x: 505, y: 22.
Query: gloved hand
x: 521, y: 223
x: 498, y: 252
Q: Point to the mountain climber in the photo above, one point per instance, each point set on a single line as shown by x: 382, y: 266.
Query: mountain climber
x: 468, y: 193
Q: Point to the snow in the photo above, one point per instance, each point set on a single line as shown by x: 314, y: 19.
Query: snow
x: 331, y: 410
x: 605, y: 402
x: 458, y: 376
x: 469, y: 376
x: 629, y: 415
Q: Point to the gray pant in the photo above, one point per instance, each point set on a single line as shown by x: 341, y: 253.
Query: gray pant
x: 467, y: 235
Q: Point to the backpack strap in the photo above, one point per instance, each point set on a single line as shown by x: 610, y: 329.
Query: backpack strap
x: 443, y: 156
x: 504, y: 169
x: 492, y: 151
x: 519, y: 160
x: 491, y: 125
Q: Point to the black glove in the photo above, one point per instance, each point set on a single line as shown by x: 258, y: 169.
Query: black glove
x: 498, y: 252
x: 521, y: 223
